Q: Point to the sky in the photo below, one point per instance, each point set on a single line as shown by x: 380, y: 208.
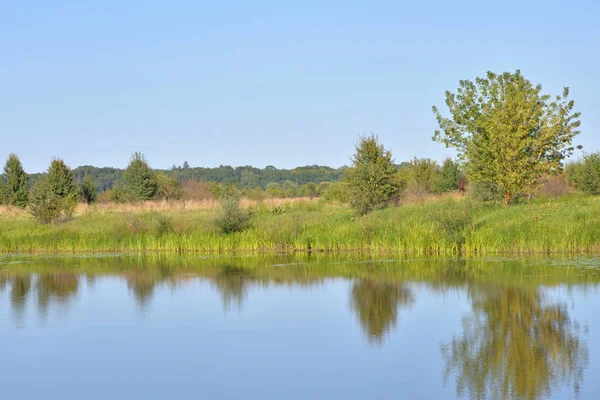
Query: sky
x: 267, y: 82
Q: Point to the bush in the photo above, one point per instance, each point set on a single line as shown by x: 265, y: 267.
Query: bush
x: 485, y: 192
x: 586, y: 175
x: 289, y: 189
x: 168, y: 188
x: 88, y: 190
x: 231, y: 217
x: 273, y: 189
x: 163, y: 224
x: 449, y: 176
x: 424, y: 176
x: 335, y: 192
x: 308, y: 190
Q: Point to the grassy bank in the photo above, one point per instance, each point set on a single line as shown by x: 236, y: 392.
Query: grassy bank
x: 569, y: 224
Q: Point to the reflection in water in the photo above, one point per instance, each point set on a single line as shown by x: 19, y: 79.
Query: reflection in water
x: 516, y: 346
x: 20, y: 288
x: 142, y: 284
x: 232, y: 283
x: 376, y: 304
x: 57, y: 286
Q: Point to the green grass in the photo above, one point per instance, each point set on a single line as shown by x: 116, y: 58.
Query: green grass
x: 569, y: 224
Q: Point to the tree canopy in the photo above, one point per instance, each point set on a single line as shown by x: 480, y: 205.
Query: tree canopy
x: 507, y: 131
x: 16, y: 191
x: 372, y: 178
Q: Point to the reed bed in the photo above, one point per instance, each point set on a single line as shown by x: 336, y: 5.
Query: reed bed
x: 448, y: 226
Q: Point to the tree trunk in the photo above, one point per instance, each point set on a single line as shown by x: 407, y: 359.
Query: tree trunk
x: 507, y: 197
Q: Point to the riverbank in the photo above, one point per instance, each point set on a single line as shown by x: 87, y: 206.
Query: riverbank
x: 444, y: 226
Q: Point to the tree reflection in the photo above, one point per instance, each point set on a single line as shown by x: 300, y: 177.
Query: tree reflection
x: 516, y: 346
x: 142, y: 284
x: 20, y: 288
x: 58, y: 287
x: 232, y: 283
x: 376, y: 304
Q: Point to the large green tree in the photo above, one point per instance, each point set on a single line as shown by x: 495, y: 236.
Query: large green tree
x: 507, y: 131
x: 371, y: 180
x: 140, y: 180
x: 16, y: 192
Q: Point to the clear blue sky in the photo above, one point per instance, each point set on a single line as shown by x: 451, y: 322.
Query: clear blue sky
x: 269, y: 82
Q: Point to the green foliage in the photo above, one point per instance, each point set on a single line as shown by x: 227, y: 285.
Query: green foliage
x: 450, y: 176
x: 88, y: 190
x: 371, y: 179
x: 231, y: 217
x: 140, y: 181
x: 454, y: 221
x: 55, y: 194
x: 163, y: 225
x: 273, y: 189
x: 15, y: 188
x: 289, y: 189
x: 507, y: 131
x: 308, y: 190
x: 335, y: 192
x: 278, y: 210
x: 485, y: 192
x: 424, y: 175
x: 168, y: 188
x: 585, y: 175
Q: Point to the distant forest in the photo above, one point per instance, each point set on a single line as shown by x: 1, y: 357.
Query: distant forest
x: 245, y: 177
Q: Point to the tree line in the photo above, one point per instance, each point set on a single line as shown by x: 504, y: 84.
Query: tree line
x: 508, y: 134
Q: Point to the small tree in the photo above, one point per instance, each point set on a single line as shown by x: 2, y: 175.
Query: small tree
x: 424, y: 174
x: 308, y: 190
x: 140, y: 181
x: 586, y: 175
x: 289, y: 189
x: 168, y: 187
x: 371, y: 179
x: 507, y: 131
x: 88, y: 190
x: 231, y: 217
x: 273, y: 189
x: 54, y: 194
x: 16, y: 192
x: 450, y: 176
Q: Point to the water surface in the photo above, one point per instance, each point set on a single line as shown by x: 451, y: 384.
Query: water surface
x: 298, y: 327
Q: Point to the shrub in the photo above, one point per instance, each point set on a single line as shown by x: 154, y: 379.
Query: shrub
x: 449, y: 176
x: 335, y: 192
x: 273, y: 189
x: 308, y: 190
x: 485, y: 192
x: 231, y: 217
x: 424, y: 175
x: 168, y: 188
x: 88, y: 190
x: 289, y: 189
x: 163, y: 224
x: 587, y: 175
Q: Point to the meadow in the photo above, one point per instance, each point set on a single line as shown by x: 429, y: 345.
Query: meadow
x: 443, y: 225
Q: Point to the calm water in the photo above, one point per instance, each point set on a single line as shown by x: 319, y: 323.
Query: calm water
x: 298, y: 327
